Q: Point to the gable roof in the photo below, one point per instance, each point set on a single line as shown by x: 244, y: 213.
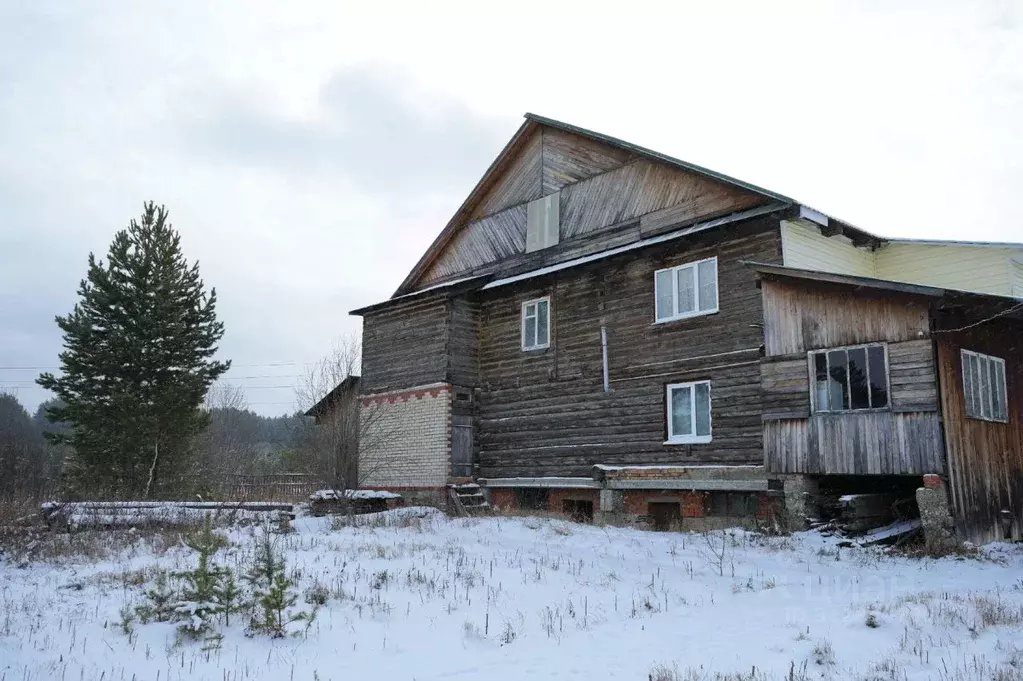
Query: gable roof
x: 517, y: 143
x: 349, y: 384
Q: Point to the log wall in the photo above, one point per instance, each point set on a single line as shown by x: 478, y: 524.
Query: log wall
x: 545, y: 413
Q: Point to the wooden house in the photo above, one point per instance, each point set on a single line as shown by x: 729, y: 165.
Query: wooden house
x: 584, y: 334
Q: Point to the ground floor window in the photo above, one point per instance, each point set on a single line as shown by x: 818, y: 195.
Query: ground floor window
x: 532, y: 498
x: 688, y: 412
x: 664, y: 515
x: 733, y: 504
x: 580, y: 510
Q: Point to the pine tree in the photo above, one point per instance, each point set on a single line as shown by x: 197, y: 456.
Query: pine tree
x: 137, y: 363
x: 200, y: 598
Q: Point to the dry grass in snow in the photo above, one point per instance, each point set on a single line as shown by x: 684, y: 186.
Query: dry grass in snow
x: 398, y: 597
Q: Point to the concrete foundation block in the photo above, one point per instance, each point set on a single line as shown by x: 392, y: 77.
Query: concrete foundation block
x: 936, y: 515
x: 800, y: 494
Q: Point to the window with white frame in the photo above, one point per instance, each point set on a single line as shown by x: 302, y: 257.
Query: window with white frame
x: 688, y: 412
x: 536, y: 324
x: 687, y: 290
x: 849, y: 379
x: 984, y: 387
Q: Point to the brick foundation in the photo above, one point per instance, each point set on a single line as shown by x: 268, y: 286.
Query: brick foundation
x: 503, y: 499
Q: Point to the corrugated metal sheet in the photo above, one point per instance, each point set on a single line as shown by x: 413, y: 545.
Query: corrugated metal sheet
x: 806, y: 248
x: 966, y: 268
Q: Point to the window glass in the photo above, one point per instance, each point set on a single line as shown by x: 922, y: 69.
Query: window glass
x: 708, y: 275
x: 702, y: 408
x: 821, y: 380
x: 542, y: 326
x: 681, y: 411
x: 859, y: 393
x: 878, y: 377
x: 838, y: 390
x: 529, y: 327
x: 686, y: 290
x: 665, y: 297
x: 984, y: 386
x: 1001, y: 408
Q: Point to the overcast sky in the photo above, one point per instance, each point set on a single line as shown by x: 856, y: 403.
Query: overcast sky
x: 309, y: 152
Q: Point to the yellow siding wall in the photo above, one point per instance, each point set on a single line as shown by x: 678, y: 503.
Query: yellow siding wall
x: 967, y: 268
x: 804, y: 247
x: 983, y: 269
x: 1017, y: 278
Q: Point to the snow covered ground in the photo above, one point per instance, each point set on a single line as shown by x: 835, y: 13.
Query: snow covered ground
x: 536, y: 598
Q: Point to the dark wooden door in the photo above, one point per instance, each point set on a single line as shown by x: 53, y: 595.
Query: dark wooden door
x: 461, y: 445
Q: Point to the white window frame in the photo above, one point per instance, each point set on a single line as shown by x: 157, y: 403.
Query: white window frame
x: 693, y: 438
x: 535, y: 302
x: 812, y: 373
x: 988, y: 404
x: 695, y: 266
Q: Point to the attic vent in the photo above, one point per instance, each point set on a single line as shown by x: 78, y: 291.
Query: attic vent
x: 543, y: 222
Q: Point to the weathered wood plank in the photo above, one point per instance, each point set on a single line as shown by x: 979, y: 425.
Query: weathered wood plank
x: 519, y: 183
x: 799, y: 318
x: 569, y: 158
x: 985, y: 458
x: 857, y: 443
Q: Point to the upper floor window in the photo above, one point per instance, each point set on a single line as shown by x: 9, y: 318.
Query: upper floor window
x: 688, y: 413
x: 536, y: 324
x: 984, y: 387
x: 687, y: 290
x: 848, y: 379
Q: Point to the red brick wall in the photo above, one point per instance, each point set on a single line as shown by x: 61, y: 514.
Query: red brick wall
x: 692, y: 502
x: 503, y: 499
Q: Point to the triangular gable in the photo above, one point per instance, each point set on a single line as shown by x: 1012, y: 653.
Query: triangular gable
x: 603, y: 181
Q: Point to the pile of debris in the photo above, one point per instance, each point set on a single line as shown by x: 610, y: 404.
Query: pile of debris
x: 869, y: 519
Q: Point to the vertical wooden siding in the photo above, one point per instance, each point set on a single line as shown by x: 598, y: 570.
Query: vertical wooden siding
x: 808, y: 316
x: 546, y: 413
x: 985, y: 457
x: 855, y: 443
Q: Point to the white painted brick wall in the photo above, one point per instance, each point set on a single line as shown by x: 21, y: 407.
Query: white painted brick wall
x: 409, y: 443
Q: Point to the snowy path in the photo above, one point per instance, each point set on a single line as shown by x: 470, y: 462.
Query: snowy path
x: 514, y: 598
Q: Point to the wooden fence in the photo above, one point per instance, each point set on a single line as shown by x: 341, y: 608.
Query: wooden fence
x: 294, y: 487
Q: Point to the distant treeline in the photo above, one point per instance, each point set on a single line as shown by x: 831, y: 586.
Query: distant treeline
x: 237, y: 441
